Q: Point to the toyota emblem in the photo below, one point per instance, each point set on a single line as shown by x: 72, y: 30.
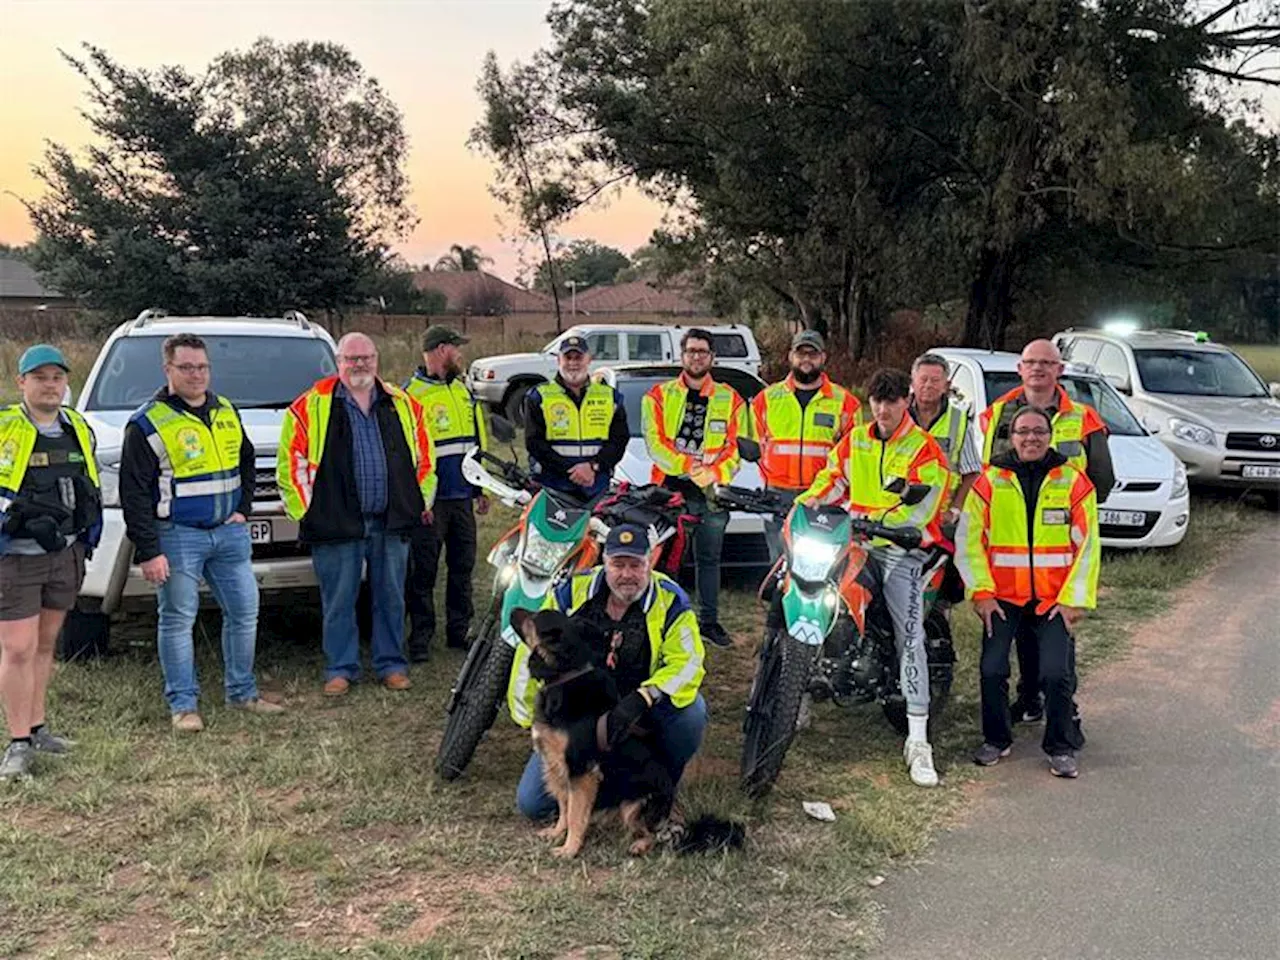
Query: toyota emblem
x: 1267, y: 440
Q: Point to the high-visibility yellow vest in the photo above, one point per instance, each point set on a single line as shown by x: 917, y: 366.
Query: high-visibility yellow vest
x: 1072, y: 425
x: 795, y: 443
x: 949, y: 431
x: 199, y: 479
x: 17, y: 440
x: 676, y: 652
x: 1057, y: 561
x: 306, y: 426
x: 663, y: 413
x: 576, y: 432
x: 450, y: 414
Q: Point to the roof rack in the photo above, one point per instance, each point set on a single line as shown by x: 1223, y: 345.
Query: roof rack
x: 149, y: 314
x: 1199, y: 336
x: 298, y: 317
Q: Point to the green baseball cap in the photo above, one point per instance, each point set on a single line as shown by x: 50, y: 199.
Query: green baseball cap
x: 41, y: 355
x: 438, y: 335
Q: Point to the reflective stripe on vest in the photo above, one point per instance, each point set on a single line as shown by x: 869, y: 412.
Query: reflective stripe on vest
x: 199, y: 480
x: 795, y: 443
x: 17, y: 440
x: 450, y: 414
x: 577, y: 432
x: 948, y: 430
x: 672, y: 397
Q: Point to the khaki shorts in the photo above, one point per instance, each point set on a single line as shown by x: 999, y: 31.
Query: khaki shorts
x: 48, y: 581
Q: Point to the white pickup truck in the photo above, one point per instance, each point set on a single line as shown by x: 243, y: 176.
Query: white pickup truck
x: 502, y: 381
x: 260, y: 365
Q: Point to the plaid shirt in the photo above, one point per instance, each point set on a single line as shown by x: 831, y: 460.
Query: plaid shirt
x: 369, y: 457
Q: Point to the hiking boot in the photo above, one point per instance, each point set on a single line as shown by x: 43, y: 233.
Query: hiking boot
x: 337, y: 687
x: 714, y: 633
x: 1026, y: 711
x: 988, y: 755
x: 1064, y: 765
x: 396, y: 681
x: 15, y: 764
x: 257, y: 705
x: 42, y: 741
x: 919, y: 757
x: 187, y: 722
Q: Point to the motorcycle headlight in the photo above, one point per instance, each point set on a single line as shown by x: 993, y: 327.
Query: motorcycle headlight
x: 1191, y: 432
x: 811, y: 559
x: 541, y: 556
x: 109, y: 478
x: 1179, y: 481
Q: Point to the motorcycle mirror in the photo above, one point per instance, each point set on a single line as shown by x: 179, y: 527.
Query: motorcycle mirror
x: 502, y: 429
x: 748, y: 450
x: 915, y: 493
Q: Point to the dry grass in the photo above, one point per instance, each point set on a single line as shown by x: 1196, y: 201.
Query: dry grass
x: 1264, y: 358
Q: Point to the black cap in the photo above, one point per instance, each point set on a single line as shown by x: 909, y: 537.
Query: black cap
x: 569, y: 344
x: 627, y: 540
x: 437, y: 335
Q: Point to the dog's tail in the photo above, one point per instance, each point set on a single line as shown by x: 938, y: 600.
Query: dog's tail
x: 710, y: 834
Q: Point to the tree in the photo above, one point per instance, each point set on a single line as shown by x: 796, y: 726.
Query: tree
x: 272, y: 180
x: 585, y: 263
x: 462, y: 259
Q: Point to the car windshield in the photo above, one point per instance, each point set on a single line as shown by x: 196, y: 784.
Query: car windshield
x: 1201, y: 373
x: 250, y: 371
x: 633, y: 389
x: 1096, y: 392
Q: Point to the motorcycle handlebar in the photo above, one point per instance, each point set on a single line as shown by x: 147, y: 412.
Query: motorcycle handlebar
x: 909, y: 538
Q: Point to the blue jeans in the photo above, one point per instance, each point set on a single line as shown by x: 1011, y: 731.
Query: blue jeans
x: 222, y: 558
x: 681, y: 730
x: 338, y: 567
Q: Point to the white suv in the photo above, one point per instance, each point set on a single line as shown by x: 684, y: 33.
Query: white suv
x: 260, y: 365
x: 1200, y: 398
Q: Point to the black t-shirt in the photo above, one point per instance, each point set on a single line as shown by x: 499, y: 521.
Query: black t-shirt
x: 632, y: 655
x: 804, y: 395
x: 688, y: 439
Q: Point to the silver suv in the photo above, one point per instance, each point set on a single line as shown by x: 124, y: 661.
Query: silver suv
x: 260, y: 365
x: 1207, y: 405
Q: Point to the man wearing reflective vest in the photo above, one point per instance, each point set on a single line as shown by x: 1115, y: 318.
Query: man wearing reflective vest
x: 1029, y: 553
x: 691, y: 428
x: 1078, y: 434
x: 889, y: 451
x: 356, y: 468
x: 186, y: 490
x: 655, y: 656
x: 575, y: 427
x: 456, y: 424
x: 50, y: 516
x: 797, y: 423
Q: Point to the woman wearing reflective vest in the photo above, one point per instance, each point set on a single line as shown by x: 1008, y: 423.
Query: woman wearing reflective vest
x: 1029, y: 553
x: 356, y: 467
x: 797, y: 423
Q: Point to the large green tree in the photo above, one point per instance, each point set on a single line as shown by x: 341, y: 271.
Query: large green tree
x: 272, y: 179
x: 584, y: 263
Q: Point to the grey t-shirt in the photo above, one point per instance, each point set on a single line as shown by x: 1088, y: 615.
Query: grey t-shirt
x: 24, y: 546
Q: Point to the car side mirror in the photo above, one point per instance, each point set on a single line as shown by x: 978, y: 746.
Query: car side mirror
x: 748, y: 450
x: 502, y: 429
x: 1275, y: 389
x: 1151, y: 426
x: 1120, y: 382
x: 915, y: 493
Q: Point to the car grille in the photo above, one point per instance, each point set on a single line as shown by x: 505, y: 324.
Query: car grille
x: 264, y: 483
x: 1261, y: 442
x: 1139, y: 486
x: 1129, y: 533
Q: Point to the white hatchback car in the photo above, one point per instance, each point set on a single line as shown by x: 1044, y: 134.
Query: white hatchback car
x: 1150, y: 505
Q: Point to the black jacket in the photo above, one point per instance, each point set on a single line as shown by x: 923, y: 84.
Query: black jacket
x: 140, y: 468
x: 334, y: 512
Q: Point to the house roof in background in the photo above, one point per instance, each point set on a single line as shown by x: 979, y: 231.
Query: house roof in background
x: 17, y: 279
x: 638, y: 296
x: 461, y: 287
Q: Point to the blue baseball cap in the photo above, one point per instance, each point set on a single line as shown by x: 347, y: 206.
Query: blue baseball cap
x: 41, y: 355
x: 570, y: 344
x: 627, y: 540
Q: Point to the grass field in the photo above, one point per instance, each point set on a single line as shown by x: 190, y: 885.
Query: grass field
x: 1264, y: 358
x: 324, y: 833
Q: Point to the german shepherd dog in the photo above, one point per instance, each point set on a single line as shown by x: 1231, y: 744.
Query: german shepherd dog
x: 580, y: 769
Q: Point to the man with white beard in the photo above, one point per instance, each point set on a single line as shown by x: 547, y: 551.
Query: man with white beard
x: 356, y: 468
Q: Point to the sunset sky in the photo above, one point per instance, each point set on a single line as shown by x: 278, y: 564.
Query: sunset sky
x: 426, y: 54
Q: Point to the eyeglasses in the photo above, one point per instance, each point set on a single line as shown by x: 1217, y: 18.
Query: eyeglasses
x: 1039, y: 432
x: 1040, y: 363
x: 356, y: 359
x: 189, y: 368
x: 696, y: 352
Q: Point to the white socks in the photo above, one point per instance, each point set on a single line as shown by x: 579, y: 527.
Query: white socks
x: 917, y: 728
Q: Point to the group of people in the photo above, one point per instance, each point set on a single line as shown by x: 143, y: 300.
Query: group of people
x: 372, y: 473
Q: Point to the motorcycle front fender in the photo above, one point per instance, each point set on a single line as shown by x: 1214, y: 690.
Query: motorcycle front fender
x: 809, y: 617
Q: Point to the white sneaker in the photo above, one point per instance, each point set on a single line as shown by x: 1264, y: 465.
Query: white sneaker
x: 919, y: 757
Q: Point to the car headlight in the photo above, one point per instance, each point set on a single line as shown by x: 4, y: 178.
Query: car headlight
x: 1191, y: 432
x: 1179, y: 481
x: 109, y: 480
x: 811, y: 559
x: 541, y: 556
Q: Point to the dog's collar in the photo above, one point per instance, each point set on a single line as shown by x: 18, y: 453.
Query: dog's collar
x: 565, y: 678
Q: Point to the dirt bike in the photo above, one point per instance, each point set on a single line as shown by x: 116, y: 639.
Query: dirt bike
x: 557, y: 536
x: 828, y: 631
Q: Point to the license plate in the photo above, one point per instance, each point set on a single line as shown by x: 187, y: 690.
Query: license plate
x: 1260, y: 471
x: 260, y: 531
x: 1122, y: 518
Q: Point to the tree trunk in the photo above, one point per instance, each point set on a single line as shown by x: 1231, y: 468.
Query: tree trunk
x: 987, y: 318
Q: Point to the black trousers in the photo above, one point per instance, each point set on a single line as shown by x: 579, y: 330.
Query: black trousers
x: 453, y: 533
x: 1056, y: 678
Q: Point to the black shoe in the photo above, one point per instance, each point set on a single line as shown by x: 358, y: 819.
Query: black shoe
x: 419, y: 654
x: 457, y: 643
x: 1023, y: 711
x: 714, y: 633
